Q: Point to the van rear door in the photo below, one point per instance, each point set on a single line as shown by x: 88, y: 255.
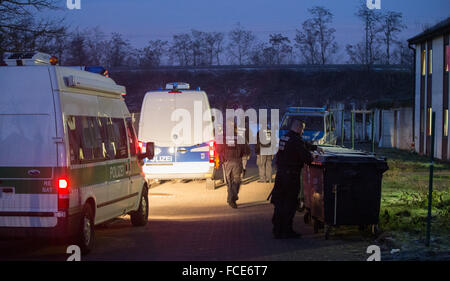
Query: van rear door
x: 28, y: 153
x: 192, y: 154
x: 156, y: 125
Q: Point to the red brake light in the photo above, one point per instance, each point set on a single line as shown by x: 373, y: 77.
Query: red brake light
x: 212, y: 151
x: 62, y: 184
x: 63, y: 193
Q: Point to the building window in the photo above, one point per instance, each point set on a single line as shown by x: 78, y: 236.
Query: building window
x: 430, y: 62
x: 423, y: 62
x: 446, y: 58
x: 430, y: 115
x: 446, y: 123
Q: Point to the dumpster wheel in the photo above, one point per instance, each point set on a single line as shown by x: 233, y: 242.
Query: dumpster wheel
x: 316, y: 224
x: 327, y: 231
x: 307, y: 217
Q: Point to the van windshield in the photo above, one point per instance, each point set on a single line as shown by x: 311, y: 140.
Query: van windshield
x: 313, y: 123
x: 26, y: 140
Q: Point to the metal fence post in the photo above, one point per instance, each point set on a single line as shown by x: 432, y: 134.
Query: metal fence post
x: 373, y: 131
x: 342, y: 127
x: 430, y: 187
x: 353, y: 130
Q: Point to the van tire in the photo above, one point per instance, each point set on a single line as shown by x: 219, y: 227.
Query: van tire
x: 85, y: 236
x: 140, y: 217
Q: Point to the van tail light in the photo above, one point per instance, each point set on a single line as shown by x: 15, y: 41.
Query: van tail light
x: 212, y: 151
x: 63, y: 184
x: 142, y: 148
x: 63, y: 193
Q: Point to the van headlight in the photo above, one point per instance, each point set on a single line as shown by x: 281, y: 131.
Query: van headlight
x: 172, y: 150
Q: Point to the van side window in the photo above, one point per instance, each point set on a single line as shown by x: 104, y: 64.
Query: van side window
x: 134, y: 146
x: 85, y: 139
x: 116, y: 144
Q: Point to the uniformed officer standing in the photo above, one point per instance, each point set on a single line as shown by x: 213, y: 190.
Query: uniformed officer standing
x: 230, y: 155
x: 292, y: 155
x: 264, y: 155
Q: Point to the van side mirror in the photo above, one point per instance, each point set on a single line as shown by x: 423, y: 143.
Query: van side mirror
x: 149, y: 151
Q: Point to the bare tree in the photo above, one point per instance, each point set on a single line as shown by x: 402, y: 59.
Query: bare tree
x: 402, y: 54
x: 240, y: 44
x: 391, y: 26
x: 118, y: 50
x: 76, y: 48
x: 371, y: 20
x: 322, y: 17
x: 151, y: 55
x: 97, y: 45
x: 180, y: 49
x: 356, y: 53
x: 212, y: 46
x: 20, y: 26
x: 306, y: 42
x: 280, y: 46
x: 317, y: 41
x: 218, y: 45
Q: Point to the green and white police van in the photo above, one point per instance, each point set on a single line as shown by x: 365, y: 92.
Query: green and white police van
x: 69, y: 155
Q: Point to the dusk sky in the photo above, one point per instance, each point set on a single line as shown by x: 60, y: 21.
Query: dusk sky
x: 143, y: 20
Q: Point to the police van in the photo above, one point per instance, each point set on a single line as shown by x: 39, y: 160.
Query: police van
x: 179, y: 154
x: 320, y: 124
x: 69, y: 156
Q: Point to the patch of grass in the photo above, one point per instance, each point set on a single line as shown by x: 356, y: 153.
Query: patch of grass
x: 404, y: 203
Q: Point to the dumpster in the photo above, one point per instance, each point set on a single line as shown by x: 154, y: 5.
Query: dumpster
x: 343, y: 187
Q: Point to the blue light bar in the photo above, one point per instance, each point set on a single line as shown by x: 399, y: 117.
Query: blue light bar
x: 95, y: 69
x: 307, y: 109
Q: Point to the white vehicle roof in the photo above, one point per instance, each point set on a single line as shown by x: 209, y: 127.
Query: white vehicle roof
x: 27, y: 108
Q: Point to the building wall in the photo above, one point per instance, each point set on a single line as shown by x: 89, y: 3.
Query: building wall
x: 437, y: 95
x: 437, y: 90
x: 417, y: 99
x: 396, y: 128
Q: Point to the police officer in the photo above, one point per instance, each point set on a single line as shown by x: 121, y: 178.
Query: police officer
x: 292, y: 155
x: 230, y: 154
x: 264, y: 155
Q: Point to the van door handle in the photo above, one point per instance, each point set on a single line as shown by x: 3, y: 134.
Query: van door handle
x: 182, y: 150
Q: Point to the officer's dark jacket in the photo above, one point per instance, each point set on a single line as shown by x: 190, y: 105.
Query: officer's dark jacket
x: 293, y: 151
x: 234, y: 152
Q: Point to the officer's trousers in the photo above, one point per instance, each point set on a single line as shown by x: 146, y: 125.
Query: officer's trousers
x: 285, y: 199
x: 264, y: 163
x: 233, y: 170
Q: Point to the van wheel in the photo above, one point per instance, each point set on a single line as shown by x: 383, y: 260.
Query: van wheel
x: 85, y: 237
x: 140, y: 217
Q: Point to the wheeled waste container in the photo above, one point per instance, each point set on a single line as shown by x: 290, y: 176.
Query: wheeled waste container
x: 343, y: 187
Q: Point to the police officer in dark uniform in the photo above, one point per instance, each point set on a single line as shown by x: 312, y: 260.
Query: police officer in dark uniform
x: 230, y: 155
x: 293, y: 153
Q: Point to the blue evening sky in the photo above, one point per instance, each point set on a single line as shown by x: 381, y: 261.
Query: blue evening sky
x: 143, y: 20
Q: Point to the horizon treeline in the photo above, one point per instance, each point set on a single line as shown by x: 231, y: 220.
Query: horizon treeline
x: 314, y: 42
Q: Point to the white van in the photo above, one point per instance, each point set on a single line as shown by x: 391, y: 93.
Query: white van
x: 190, y: 157
x: 69, y: 156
